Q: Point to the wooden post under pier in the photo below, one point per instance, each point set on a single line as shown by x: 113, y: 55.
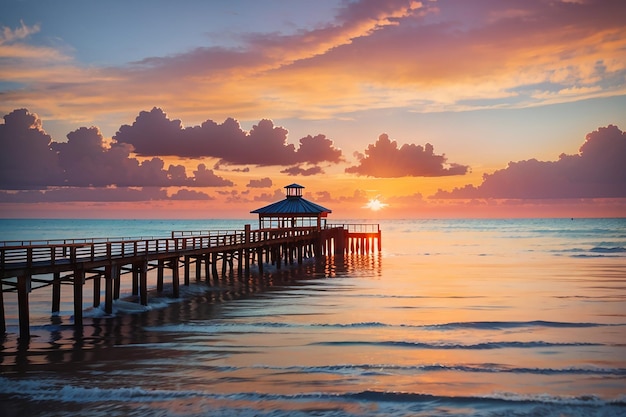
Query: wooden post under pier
x: 111, y: 276
x: 79, y: 279
x: 3, y: 323
x: 27, y: 267
x: 175, y: 283
x: 23, y: 288
x: 56, y: 292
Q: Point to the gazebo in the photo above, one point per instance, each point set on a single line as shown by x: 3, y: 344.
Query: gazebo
x: 294, y: 211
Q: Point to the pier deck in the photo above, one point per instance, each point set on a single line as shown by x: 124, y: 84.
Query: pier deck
x: 29, y: 265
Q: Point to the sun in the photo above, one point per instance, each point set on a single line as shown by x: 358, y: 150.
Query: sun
x: 375, y: 204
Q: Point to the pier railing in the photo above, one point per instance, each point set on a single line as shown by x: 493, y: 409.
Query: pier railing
x: 61, y: 253
x: 29, y: 254
x: 357, y: 227
x: 32, y: 253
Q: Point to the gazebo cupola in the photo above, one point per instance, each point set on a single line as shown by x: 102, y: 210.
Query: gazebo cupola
x: 293, y: 211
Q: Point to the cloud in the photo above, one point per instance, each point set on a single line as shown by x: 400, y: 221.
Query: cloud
x: 30, y: 159
x: 153, y: 133
x: 260, y: 183
x: 8, y: 35
x: 384, y: 159
x: 204, y: 177
x: 27, y: 160
x: 305, y: 172
x: 93, y: 194
x: 277, y: 195
x: 597, y: 171
x: 372, y: 54
x: 72, y: 194
x: 186, y: 194
x: 496, y: 50
x: 358, y: 196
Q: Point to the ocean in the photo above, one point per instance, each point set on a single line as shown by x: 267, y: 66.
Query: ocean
x: 519, y: 317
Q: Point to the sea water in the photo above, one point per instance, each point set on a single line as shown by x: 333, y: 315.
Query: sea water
x: 522, y: 317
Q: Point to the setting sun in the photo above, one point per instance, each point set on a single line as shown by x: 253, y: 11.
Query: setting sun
x: 375, y: 204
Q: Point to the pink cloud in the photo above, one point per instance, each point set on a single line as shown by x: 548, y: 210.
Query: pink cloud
x: 153, y: 133
x: 597, y: 171
x: 84, y: 194
x: 204, y: 177
x: 445, y: 54
x: 305, y: 172
x: 27, y: 159
x: 260, y: 183
x: 277, y: 195
x: 30, y: 159
x: 186, y: 194
x: 384, y: 159
x: 91, y: 194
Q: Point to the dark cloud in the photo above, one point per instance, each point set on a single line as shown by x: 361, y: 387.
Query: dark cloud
x: 322, y: 196
x: 30, y: 159
x: 305, y: 172
x: 27, y: 159
x: 221, y: 167
x: 204, y: 177
x: 384, y: 159
x: 186, y: 194
x: 83, y: 194
x: 358, y: 196
x: 260, y: 183
x: 315, y: 149
x: 153, y: 133
x: 271, y: 197
x: 92, y: 194
x: 597, y: 171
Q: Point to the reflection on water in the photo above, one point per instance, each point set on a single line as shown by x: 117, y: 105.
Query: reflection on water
x: 457, y: 318
x: 59, y: 343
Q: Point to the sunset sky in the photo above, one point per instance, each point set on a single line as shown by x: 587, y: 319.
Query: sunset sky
x: 380, y: 108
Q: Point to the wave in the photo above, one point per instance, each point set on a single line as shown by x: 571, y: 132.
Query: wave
x: 498, y: 325
x: 391, y: 369
x: 611, y: 249
x: 477, y: 325
x: 508, y: 398
x: 450, y: 346
x: 252, y: 327
x: 49, y: 390
x: 604, y: 249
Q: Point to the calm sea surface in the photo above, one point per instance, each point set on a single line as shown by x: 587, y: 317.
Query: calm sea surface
x: 453, y: 318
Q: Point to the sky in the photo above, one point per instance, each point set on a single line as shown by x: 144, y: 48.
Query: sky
x: 379, y: 108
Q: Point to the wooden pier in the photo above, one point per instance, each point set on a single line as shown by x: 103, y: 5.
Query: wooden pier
x: 29, y: 266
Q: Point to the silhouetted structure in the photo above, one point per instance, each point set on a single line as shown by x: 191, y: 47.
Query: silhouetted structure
x: 293, y: 211
x: 289, y: 230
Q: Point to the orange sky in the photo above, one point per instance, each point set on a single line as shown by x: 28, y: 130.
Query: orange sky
x: 435, y: 109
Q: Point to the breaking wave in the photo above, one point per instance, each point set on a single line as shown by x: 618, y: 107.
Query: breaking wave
x: 448, y: 346
x: 344, y: 404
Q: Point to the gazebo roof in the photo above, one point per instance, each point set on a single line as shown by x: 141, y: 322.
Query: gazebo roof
x: 293, y: 205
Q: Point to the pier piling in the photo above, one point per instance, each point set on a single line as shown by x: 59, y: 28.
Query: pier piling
x: 55, y: 263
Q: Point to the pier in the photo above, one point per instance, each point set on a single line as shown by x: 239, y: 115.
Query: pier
x: 282, y: 239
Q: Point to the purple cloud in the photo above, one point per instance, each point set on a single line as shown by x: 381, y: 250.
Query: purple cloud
x: 260, y: 183
x: 305, y: 172
x: 153, y: 133
x: 186, y: 194
x: 83, y: 194
x: 597, y: 171
x: 27, y: 159
x: 30, y: 159
x: 384, y: 159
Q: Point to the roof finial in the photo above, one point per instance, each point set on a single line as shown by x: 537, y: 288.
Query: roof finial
x: 294, y: 190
